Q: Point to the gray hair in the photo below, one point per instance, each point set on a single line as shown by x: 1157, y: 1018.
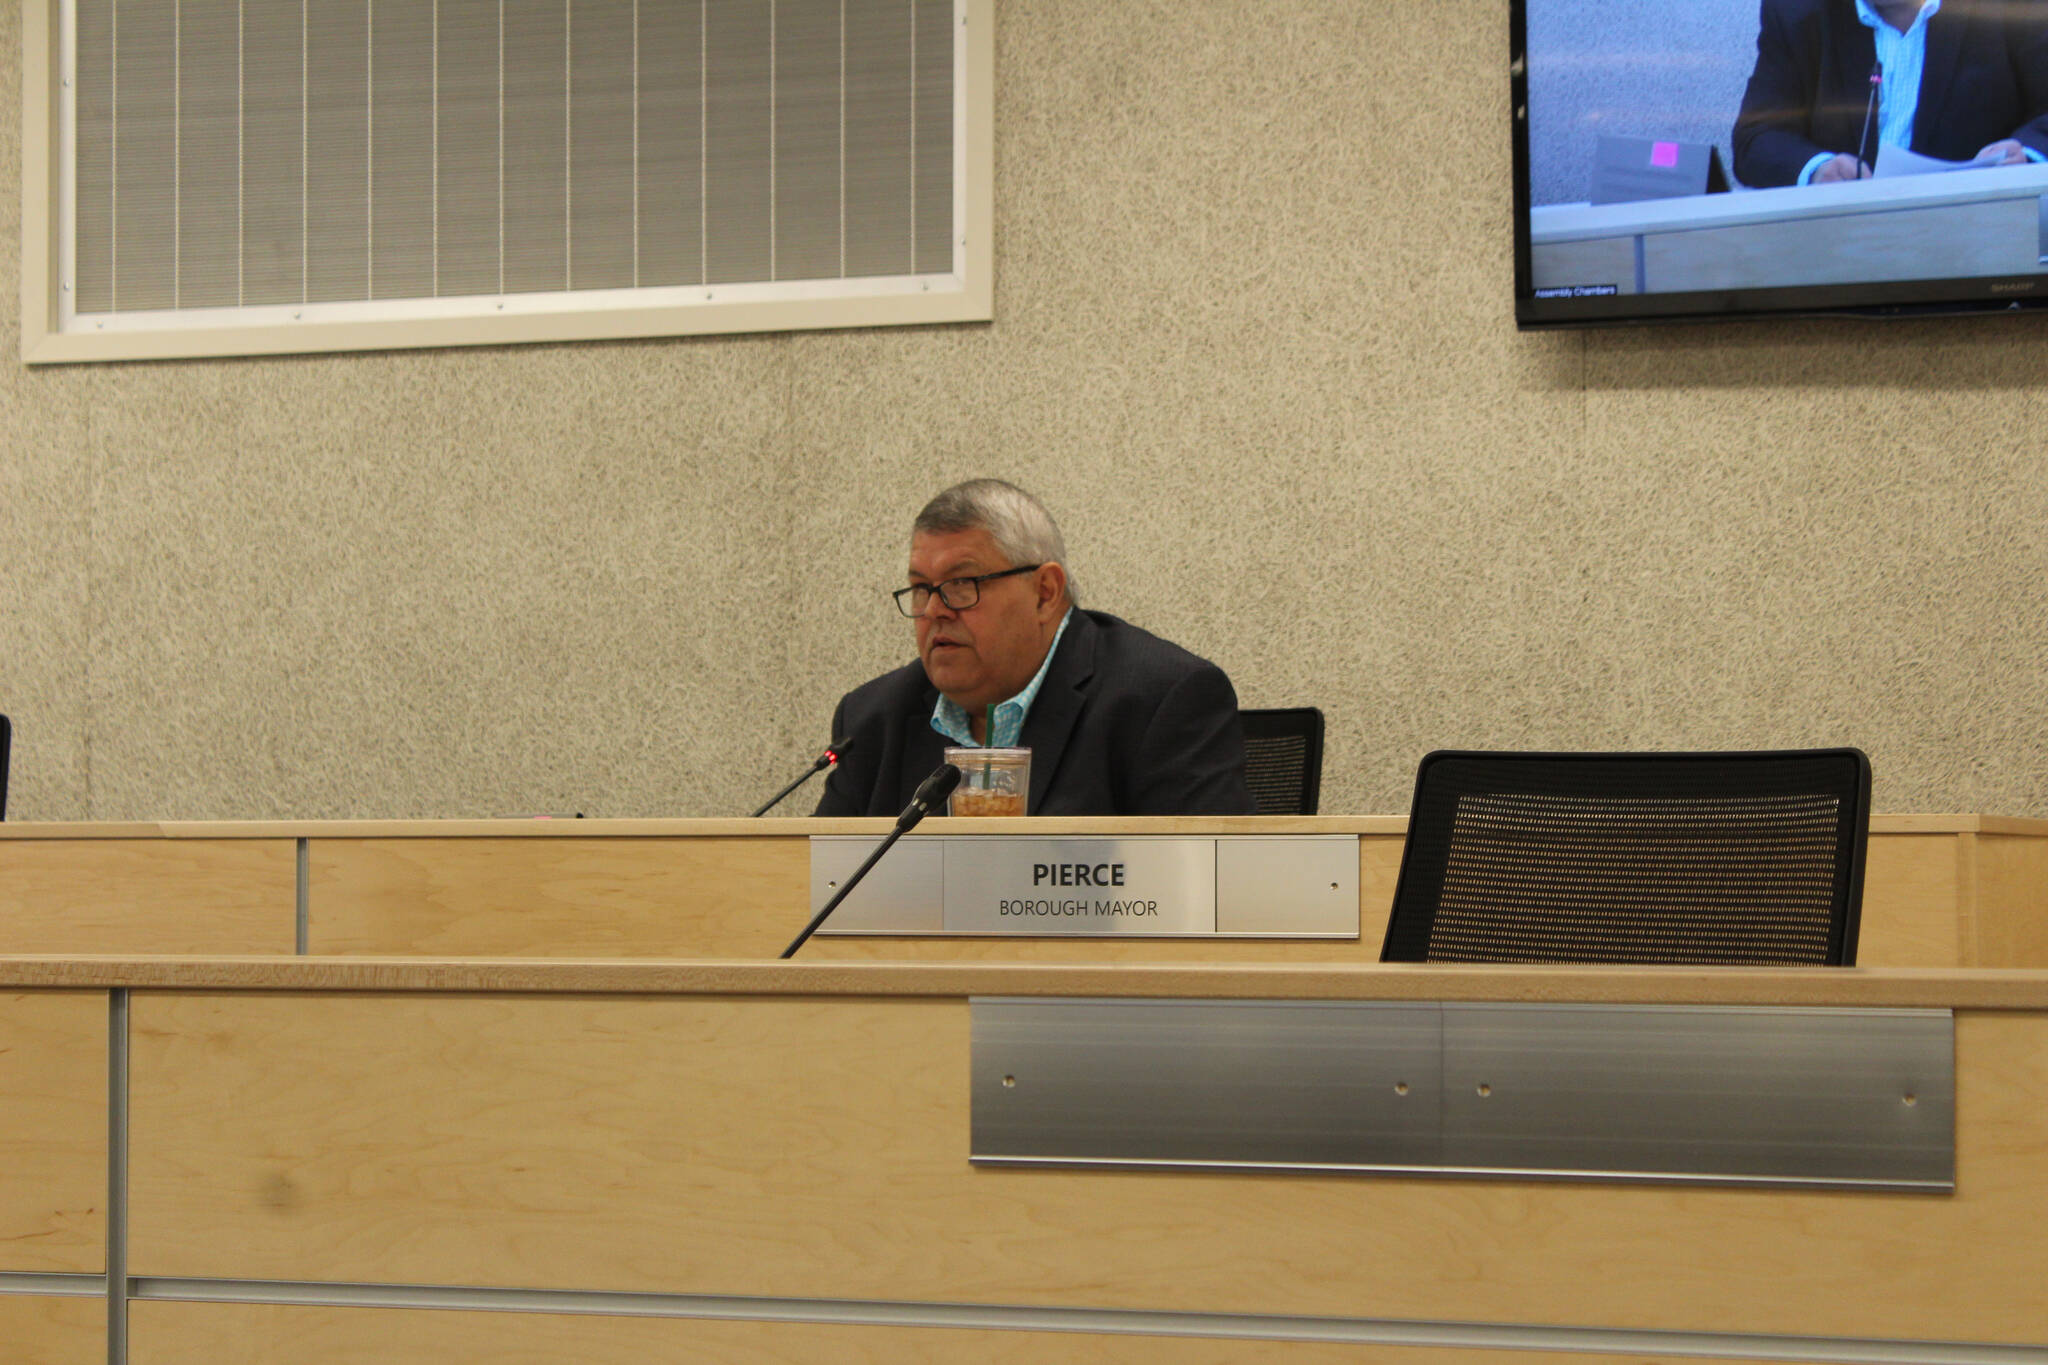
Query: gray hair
x: 1017, y: 522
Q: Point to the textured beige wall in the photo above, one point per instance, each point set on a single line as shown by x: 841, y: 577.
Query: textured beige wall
x: 1254, y: 345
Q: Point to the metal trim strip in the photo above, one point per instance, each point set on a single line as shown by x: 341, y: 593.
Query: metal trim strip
x: 1842, y: 1099
x: 1477, y: 1173
x: 302, y: 906
x: 1106, y: 1321
x: 64, y: 1283
x: 116, y: 1279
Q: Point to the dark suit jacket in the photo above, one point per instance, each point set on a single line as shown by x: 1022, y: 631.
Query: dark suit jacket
x: 1125, y: 724
x: 1986, y: 79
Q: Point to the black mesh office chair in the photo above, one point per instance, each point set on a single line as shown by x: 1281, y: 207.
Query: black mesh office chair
x: 1727, y: 859
x: 1283, y: 751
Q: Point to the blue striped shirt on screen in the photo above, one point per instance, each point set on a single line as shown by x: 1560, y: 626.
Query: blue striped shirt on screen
x: 1904, y: 59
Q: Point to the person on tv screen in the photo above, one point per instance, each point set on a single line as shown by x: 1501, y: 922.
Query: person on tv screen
x: 1959, y: 80
x: 1118, y: 721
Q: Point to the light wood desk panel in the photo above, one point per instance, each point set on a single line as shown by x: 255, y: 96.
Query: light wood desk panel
x: 809, y: 1146
x: 51, y: 1329
x: 558, y: 897
x: 731, y: 893
x: 1913, y: 902
x: 165, y: 1333
x: 2009, y: 923
x: 147, y: 894
x: 578, y: 1143
x: 1940, y: 890
x: 53, y: 1132
x: 727, y: 889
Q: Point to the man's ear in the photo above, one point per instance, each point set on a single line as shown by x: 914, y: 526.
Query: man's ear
x: 1052, y: 586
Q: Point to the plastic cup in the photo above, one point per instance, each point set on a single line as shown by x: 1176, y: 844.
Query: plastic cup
x: 992, y: 781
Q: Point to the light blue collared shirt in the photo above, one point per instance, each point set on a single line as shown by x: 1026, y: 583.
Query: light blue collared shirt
x: 949, y: 717
x: 1904, y: 59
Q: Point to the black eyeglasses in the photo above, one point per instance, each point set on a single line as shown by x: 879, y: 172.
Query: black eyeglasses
x: 957, y: 593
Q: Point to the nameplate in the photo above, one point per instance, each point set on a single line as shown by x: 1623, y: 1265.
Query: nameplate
x: 1286, y: 886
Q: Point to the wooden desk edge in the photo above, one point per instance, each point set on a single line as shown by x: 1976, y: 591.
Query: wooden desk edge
x: 1898, y: 987
x: 803, y: 827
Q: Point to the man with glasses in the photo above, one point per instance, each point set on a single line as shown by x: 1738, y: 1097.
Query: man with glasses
x: 1118, y: 721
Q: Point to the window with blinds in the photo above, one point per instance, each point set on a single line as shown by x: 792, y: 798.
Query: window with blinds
x: 284, y: 164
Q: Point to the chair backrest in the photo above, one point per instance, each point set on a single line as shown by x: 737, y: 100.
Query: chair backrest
x: 6, y: 742
x: 1283, y: 751
x: 1727, y: 859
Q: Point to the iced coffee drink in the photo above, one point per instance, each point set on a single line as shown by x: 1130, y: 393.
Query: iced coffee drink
x: 992, y: 781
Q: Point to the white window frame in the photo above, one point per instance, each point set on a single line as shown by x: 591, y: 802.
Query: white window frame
x: 50, y: 333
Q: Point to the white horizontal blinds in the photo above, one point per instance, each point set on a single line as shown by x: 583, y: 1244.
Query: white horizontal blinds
x: 807, y: 141
x: 738, y: 127
x: 463, y: 176
x: 601, y: 144
x: 284, y: 151
x: 878, y: 123
x: 933, y: 140
x: 338, y: 71
x: 671, y: 160
x: 143, y: 223
x: 208, y: 158
x: 399, y: 57
x: 93, y: 187
x: 271, y: 136
x: 536, y: 146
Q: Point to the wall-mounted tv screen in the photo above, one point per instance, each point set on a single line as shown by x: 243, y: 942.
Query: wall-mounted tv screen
x: 1688, y: 159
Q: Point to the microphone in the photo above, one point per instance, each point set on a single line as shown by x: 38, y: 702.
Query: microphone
x: 934, y: 790
x: 824, y: 761
x: 1870, y: 113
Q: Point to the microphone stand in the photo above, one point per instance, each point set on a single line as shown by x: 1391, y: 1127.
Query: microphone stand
x: 845, y: 887
x: 1869, y: 111
x: 936, y: 788
x: 824, y: 762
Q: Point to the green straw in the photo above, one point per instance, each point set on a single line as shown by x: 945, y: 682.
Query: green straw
x: 988, y: 740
